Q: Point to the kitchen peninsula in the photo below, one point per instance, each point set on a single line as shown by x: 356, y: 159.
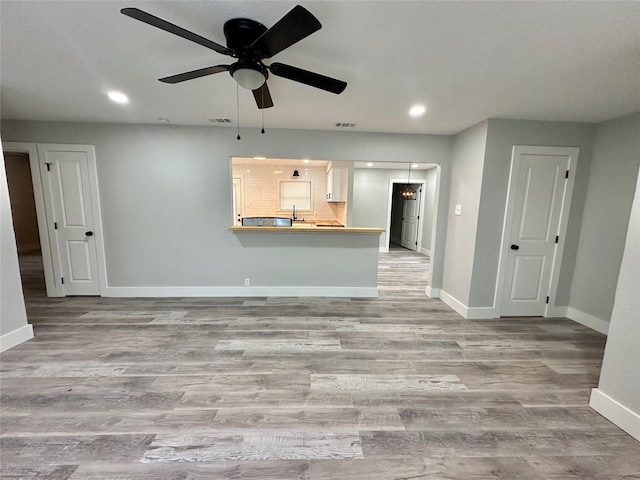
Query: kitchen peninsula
x: 309, y: 260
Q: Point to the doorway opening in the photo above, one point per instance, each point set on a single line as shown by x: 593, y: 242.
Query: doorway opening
x: 25, y: 222
x: 405, y: 223
x: 64, y: 189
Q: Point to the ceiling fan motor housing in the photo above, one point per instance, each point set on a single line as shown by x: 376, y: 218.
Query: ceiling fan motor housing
x: 240, y: 34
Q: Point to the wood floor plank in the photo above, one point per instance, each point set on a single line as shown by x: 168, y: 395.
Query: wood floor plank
x: 392, y: 388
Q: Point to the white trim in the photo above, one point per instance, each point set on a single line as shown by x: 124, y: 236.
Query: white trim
x: 615, y: 412
x: 454, y: 303
x: 54, y: 289
x: 16, y: 337
x: 275, y: 291
x: 432, y: 292
x: 588, y: 320
x: 422, y: 182
x: 424, y: 251
x: 470, y: 313
x: 95, y: 207
x: 572, y: 153
x: 558, y: 312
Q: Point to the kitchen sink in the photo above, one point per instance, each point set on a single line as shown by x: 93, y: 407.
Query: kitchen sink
x: 266, y: 222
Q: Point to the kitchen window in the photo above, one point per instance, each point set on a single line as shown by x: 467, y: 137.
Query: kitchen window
x: 296, y: 193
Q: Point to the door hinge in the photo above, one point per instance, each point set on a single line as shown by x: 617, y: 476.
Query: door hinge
x: 557, y: 238
x: 566, y: 174
x: 62, y: 280
x: 55, y: 225
x: 547, y: 300
x: 418, y: 217
x: 416, y: 244
x: 48, y: 166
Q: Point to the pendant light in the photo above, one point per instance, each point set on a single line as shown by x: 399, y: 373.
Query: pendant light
x: 407, y: 192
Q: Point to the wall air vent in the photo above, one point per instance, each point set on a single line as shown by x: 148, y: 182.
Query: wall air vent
x: 345, y: 125
x: 219, y: 120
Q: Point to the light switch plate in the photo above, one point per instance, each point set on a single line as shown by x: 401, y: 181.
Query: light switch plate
x: 458, y: 209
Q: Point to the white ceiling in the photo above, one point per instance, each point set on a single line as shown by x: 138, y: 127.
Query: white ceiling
x: 466, y: 61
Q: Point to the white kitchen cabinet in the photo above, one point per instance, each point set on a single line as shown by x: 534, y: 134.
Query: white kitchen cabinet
x: 337, y: 184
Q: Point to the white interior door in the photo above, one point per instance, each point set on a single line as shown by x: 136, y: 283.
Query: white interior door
x: 538, y: 188
x: 410, y: 219
x: 67, y: 182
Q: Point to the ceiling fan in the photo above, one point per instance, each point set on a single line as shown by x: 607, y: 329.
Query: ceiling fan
x: 250, y: 43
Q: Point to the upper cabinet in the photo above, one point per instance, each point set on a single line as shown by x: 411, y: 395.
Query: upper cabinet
x: 337, y: 184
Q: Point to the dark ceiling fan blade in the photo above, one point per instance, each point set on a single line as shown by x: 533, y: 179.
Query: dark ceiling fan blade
x: 293, y: 27
x: 201, y: 72
x: 263, y: 96
x: 308, y: 78
x: 176, y: 30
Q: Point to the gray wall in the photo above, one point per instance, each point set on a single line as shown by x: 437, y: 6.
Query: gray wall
x: 426, y: 217
x: 465, y: 188
x: 502, y: 135
x: 607, y: 206
x: 371, y: 194
x: 166, y: 196
x: 619, y: 377
x: 12, y: 311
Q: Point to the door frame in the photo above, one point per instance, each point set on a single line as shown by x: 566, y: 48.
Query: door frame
x: 44, y: 209
x: 419, y: 181
x: 572, y: 153
x: 420, y: 206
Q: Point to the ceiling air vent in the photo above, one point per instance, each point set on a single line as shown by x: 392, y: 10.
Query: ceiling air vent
x: 219, y: 120
x: 345, y: 125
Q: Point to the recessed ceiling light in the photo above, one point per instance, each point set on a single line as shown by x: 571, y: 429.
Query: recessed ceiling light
x: 306, y: 160
x: 417, y: 111
x: 259, y: 158
x: 369, y: 164
x: 118, y: 97
x: 415, y: 165
x: 163, y: 120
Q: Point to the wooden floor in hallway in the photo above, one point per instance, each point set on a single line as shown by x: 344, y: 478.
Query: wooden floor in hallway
x: 397, y: 387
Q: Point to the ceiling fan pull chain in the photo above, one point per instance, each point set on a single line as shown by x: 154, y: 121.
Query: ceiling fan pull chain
x: 238, y: 109
x: 262, y: 109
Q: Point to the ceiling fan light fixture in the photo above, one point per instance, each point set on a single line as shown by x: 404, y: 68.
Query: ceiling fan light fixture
x: 248, y: 77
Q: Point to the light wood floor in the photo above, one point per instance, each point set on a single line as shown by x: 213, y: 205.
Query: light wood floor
x: 398, y: 387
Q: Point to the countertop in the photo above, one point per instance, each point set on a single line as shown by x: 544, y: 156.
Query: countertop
x: 307, y: 227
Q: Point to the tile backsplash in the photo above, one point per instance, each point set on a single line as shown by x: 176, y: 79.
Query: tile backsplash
x: 260, y: 192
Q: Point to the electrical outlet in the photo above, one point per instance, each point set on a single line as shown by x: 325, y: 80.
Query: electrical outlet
x: 247, y: 282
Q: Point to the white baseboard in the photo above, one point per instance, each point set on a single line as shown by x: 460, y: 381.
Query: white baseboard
x: 458, y: 306
x: 362, y: 292
x: 595, y: 323
x: 424, y: 251
x: 615, y: 412
x: 557, y: 312
x: 432, y: 292
x: 19, y: 335
x: 470, y: 313
x: 383, y: 249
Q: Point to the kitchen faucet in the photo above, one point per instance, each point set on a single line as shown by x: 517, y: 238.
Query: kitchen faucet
x: 295, y: 217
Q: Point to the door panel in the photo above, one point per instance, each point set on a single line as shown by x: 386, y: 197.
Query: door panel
x: 79, y: 261
x: 530, y: 249
x: 68, y: 182
x: 410, y: 214
x: 528, y: 270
